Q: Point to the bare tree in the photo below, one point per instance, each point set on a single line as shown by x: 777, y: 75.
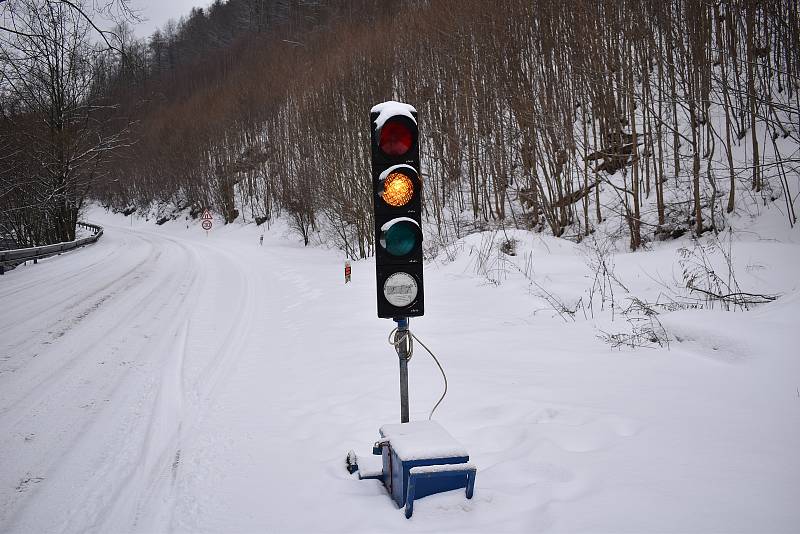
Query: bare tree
x: 53, y: 116
x: 531, y: 113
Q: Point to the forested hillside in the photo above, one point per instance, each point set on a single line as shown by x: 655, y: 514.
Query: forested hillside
x: 661, y: 117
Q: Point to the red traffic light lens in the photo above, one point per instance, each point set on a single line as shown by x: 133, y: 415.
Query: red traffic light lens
x: 396, y: 138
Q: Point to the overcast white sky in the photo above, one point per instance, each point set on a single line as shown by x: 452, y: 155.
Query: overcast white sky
x: 157, y: 12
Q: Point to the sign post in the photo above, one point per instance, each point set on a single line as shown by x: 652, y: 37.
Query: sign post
x: 347, y: 271
x: 207, y: 221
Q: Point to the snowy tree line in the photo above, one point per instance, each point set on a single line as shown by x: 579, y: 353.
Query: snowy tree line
x: 57, y: 127
x: 661, y: 116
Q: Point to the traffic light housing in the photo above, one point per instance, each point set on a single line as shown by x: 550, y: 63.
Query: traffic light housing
x: 397, y: 197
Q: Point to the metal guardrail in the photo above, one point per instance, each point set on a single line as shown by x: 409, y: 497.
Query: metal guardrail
x: 12, y: 258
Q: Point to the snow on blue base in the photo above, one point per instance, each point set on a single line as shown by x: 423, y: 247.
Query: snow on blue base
x: 419, y: 440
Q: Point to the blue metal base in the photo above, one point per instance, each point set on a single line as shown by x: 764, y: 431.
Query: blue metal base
x: 416, y: 480
x: 441, y: 462
x: 396, y: 475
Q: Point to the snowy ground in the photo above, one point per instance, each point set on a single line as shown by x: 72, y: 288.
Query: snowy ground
x: 166, y: 381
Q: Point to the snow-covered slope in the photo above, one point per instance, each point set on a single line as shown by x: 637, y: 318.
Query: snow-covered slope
x: 168, y: 381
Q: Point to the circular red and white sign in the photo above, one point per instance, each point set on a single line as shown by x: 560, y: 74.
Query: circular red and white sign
x: 206, y: 225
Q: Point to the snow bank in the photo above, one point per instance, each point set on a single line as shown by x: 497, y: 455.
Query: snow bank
x: 166, y: 380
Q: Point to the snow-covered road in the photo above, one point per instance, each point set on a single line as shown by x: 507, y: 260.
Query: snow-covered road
x: 110, y: 357
x: 97, y: 374
x: 169, y: 380
x: 166, y: 381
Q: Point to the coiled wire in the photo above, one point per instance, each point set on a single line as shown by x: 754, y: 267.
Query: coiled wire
x: 396, y: 340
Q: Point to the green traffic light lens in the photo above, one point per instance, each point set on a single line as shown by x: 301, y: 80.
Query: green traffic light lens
x: 400, y: 238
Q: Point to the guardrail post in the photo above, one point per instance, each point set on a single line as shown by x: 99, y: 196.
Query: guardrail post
x: 22, y: 256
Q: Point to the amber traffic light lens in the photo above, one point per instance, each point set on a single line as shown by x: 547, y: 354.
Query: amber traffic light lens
x: 396, y: 138
x: 397, y: 189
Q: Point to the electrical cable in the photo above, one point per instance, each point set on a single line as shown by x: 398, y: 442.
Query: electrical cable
x: 408, y: 339
x: 397, y: 342
x: 441, y: 369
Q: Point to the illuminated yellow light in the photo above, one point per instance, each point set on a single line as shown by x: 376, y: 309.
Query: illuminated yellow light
x: 397, y: 189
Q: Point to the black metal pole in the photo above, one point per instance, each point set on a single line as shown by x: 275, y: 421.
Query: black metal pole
x: 402, y: 344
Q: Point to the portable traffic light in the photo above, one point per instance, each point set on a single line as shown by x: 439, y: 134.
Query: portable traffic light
x: 397, y: 194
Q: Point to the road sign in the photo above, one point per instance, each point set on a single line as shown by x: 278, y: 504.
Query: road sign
x: 347, y: 272
x: 206, y: 216
x: 207, y: 225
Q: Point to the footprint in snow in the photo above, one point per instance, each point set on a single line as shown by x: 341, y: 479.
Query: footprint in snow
x: 26, y: 481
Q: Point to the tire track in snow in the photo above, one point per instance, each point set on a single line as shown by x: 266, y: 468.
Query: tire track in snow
x: 129, y: 475
x: 42, y: 273
x: 51, y: 283
x: 142, y: 501
x: 60, y: 322
x: 154, y: 489
x: 69, y: 436
x: 42, y: 385
x: 232, y: 342
x: 249, y: 433
x: 159, y: 457
x: 117, y: 465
